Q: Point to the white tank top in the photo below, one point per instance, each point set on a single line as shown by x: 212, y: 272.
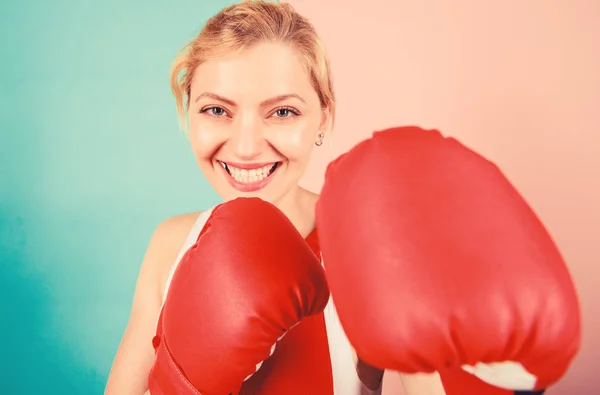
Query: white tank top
x: 343, y: 365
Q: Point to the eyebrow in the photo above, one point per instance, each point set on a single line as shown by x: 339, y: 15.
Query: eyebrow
x: 264, y: 103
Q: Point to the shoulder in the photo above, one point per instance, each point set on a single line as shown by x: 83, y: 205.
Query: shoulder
x: 165, y: 244
x: 172, y: 232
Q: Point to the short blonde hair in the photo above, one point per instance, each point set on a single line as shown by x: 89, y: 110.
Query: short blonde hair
x: 245, y: 24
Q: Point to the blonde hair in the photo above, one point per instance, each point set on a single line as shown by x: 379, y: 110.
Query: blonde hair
x: 245, y: 24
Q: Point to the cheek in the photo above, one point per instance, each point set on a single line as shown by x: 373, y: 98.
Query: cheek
x: 295, y: 144
x: 205, y: 138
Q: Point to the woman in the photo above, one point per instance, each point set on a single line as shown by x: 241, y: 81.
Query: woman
x: 255, y: 85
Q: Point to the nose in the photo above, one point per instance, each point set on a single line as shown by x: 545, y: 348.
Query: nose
x: 247, y: 139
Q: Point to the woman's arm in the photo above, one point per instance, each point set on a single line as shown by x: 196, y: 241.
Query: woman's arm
x: 135, y: 356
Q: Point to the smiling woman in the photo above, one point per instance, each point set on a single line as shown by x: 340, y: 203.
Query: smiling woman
x: 255, y: 96
x: 255, y: 115
x: 254, y: 119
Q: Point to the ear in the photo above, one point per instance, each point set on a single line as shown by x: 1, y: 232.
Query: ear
x: 326, y: 121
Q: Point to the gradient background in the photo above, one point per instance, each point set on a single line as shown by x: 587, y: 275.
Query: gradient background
x: 91, y: 159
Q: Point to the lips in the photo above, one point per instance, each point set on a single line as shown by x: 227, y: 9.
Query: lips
x: 249, y: 177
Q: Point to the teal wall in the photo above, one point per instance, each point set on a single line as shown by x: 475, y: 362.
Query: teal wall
x: 91, y: 160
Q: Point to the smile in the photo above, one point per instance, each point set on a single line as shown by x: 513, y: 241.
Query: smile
x: 249, y: 177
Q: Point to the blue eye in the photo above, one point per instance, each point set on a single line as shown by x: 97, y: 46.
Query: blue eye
x: 284, y: 113
x: 214, y: 111
x: 217, y: 111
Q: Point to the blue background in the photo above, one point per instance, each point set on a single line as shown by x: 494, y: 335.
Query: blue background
x: 91, y: 160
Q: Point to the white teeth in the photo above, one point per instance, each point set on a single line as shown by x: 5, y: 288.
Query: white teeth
x: 248, y: 176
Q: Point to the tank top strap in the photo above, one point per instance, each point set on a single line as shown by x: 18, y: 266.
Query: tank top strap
x: 189, y: 242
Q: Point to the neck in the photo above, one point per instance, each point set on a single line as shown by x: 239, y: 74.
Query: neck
x: 299, y: 206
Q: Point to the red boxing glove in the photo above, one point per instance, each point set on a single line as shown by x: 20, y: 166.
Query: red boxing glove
x: 435, y: 261
x: 249, y: 278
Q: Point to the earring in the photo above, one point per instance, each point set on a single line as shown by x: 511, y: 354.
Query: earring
x: 320, y: 137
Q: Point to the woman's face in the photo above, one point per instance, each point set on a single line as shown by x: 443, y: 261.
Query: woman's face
x: 254, y: 120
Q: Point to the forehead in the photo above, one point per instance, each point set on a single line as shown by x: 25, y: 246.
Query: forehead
x: 262, y: 71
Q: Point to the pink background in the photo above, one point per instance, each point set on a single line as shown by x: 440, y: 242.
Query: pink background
x: 518, y: 81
